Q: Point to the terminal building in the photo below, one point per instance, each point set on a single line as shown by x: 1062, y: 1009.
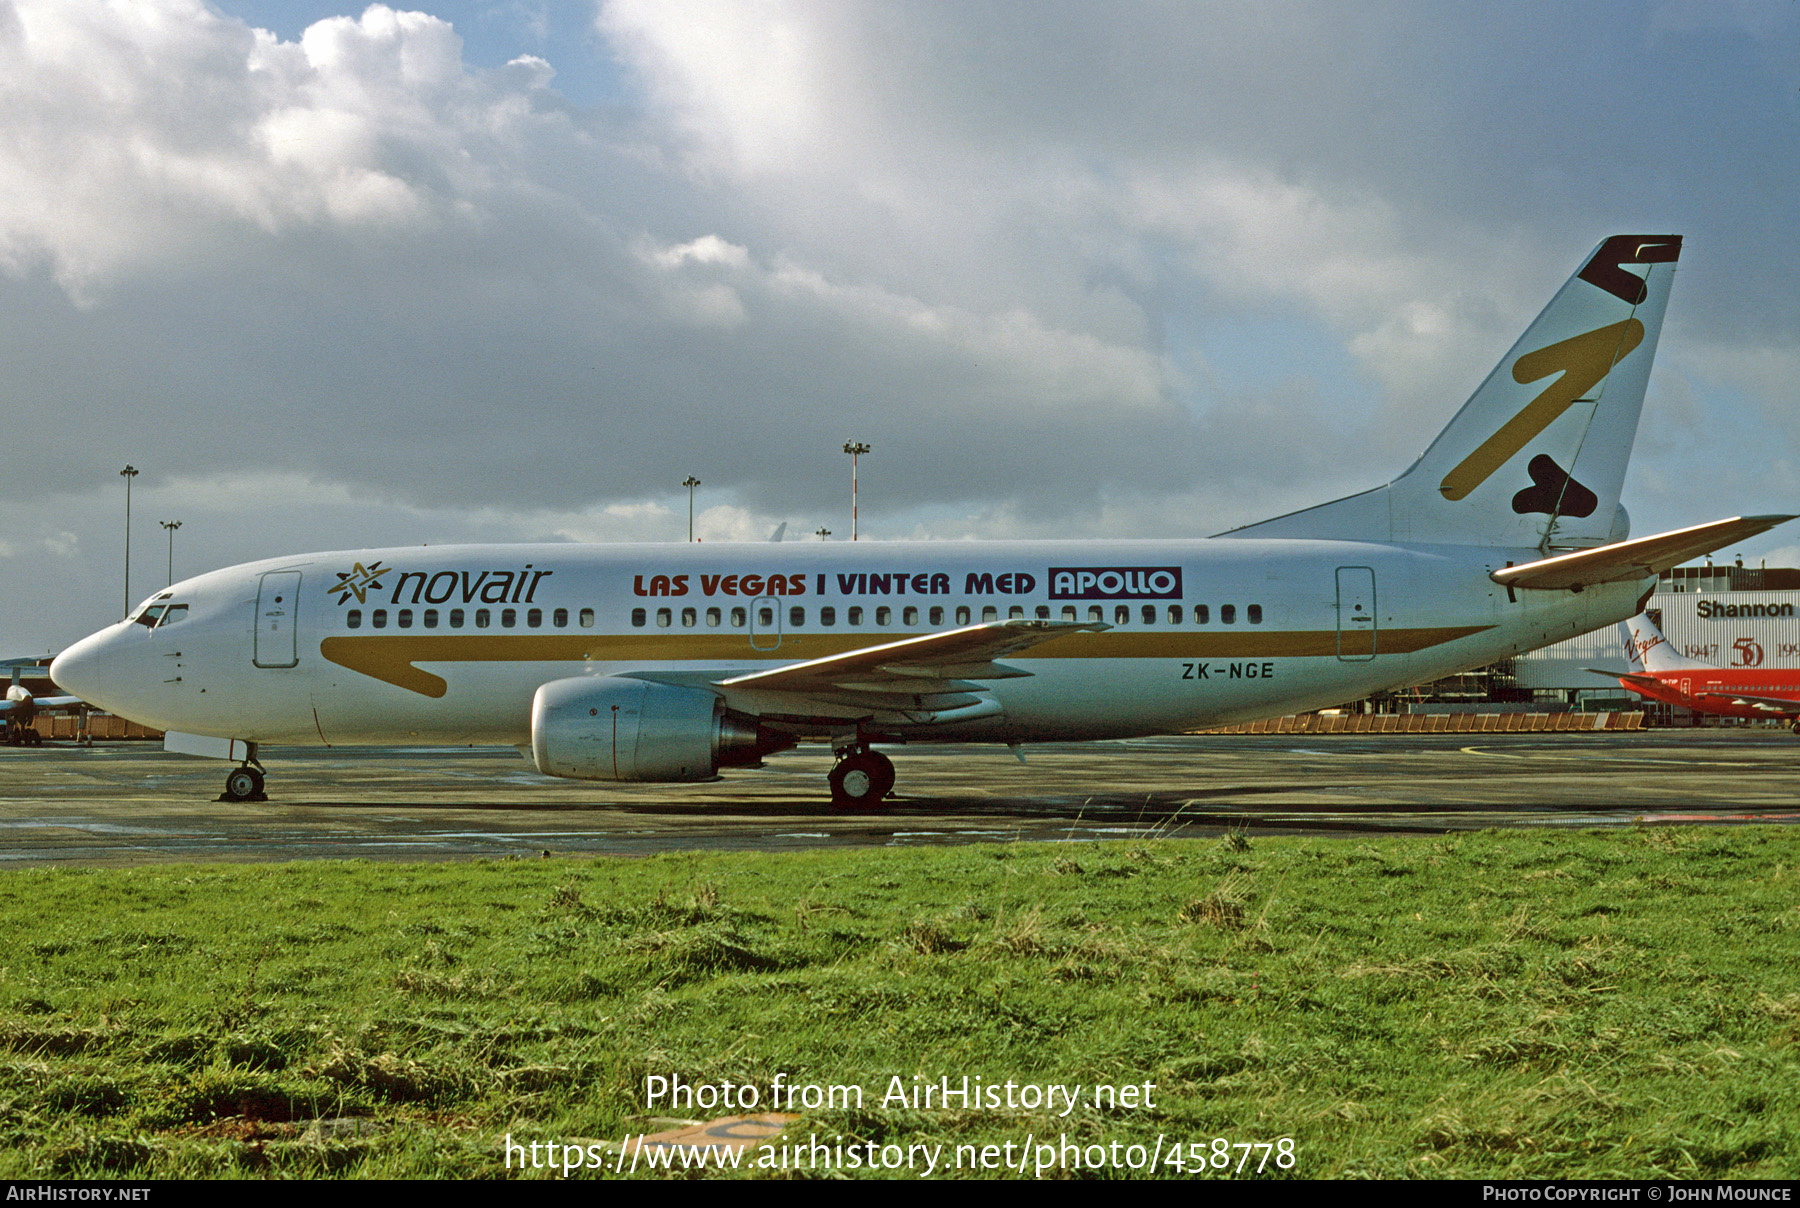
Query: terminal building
x: 1732, y: 615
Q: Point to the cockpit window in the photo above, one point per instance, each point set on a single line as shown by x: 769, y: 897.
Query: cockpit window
x: 173, y: 615
x: 150, y: 610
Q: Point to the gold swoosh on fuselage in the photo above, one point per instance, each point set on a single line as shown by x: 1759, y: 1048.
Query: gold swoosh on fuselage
x: 392, y: 658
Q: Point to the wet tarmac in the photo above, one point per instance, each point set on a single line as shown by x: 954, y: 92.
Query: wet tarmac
x: 129, y: 802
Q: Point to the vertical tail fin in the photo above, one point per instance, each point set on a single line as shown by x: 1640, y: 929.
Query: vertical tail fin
x: 1537, y: 456
x: 1646, y: 649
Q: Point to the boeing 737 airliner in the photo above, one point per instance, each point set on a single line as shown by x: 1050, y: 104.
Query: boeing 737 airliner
x: 1660, y: 674
x: 668, y: 663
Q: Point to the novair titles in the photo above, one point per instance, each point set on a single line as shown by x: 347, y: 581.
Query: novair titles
x: 470, y: 587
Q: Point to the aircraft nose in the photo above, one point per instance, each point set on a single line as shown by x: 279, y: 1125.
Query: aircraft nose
x: 86, y: 668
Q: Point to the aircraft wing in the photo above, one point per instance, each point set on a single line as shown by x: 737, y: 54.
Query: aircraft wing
x: 1635, y: 559
x: 933, y: 678
x: 1774, y: 704
x: 42, y: 704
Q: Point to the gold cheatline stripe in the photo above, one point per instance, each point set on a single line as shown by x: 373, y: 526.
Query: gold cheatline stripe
x: 391, y: 659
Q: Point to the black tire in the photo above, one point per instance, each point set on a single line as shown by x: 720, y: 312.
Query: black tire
x: 242, y: 784
x: 860, y: 781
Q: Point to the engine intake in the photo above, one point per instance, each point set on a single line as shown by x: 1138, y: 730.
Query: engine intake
x: 614, y: 728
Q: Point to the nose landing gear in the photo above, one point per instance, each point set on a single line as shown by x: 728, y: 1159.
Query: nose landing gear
x: 861, y: 780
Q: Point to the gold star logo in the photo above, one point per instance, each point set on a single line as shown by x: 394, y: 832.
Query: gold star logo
x: 359, y: 582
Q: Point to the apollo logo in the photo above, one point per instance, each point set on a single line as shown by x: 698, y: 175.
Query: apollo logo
x: 1580, y: 362
x: 1115, y: 582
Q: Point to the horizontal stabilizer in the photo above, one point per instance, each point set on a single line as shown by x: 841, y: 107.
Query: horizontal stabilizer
x: 1636, y: 681
x: 1636, y: 559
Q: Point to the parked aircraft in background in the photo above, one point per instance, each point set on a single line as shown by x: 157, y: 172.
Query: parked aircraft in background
x: 1660, y: 674
x: 20, y: 707
x: 668, y: 663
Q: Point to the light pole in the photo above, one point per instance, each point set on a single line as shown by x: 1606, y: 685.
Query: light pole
x: 171, y: 525
x: 822, y: 533
x: 855, y: 449
x: 690, y: 484
x: 128, y: 473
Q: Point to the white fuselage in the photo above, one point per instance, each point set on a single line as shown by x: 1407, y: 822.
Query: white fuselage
x: 449, y: 644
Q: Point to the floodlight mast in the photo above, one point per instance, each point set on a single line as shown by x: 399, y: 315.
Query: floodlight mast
x: 855, y: 449
x: 690, y: 483
x: 128, y: 473
x: 171, y: 525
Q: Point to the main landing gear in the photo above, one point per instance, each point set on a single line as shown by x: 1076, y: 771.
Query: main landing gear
x: 861, y: 779
x: 244, y: 783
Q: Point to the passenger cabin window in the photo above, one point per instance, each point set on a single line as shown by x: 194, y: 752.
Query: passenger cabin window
x: 909, y: 617
x: 353, y: 619
x: 587, y: 618
x: 1228, y: 614
x: 1096, y: 613
x: 714, y: 618
x: 855, y: 614
x: 1043, y: 612
x: 482, y: 618
x: 509, y: 617
x: 456, y: 618
x: 739, y: 618
x: 796, y: 616
x: 1202, y: 614
x: 1069, y: 613
x: 828, y: 616
x: 1122, y: 614
x: 690, y: 617
x: 431, y: 618
x: 560, y: 618
x: 404, y: 618
x: 990, y: 613
x: 1255, y: 612
x: 937, y: 614
x: 1149, y: 614
x: 638, y: 617
x: 1015, y: 613
x: 378, y: 618
x: 664, y: 618
x: 962, y: 614
x: 884, y: 616
x: 534, y: 618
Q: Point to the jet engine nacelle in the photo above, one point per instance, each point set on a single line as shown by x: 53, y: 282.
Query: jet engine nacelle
x: 612, y: 728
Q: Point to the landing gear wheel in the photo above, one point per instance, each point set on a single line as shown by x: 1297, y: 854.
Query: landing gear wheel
x: 860, y: 781
x: 244, y: 784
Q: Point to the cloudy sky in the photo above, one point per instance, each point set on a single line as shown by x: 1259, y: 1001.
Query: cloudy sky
x: 334, y: 277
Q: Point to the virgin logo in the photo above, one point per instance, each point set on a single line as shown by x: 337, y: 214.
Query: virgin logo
x: 1637, y: 648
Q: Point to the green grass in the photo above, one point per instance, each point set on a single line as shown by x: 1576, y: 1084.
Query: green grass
x: 1514, y: 1004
